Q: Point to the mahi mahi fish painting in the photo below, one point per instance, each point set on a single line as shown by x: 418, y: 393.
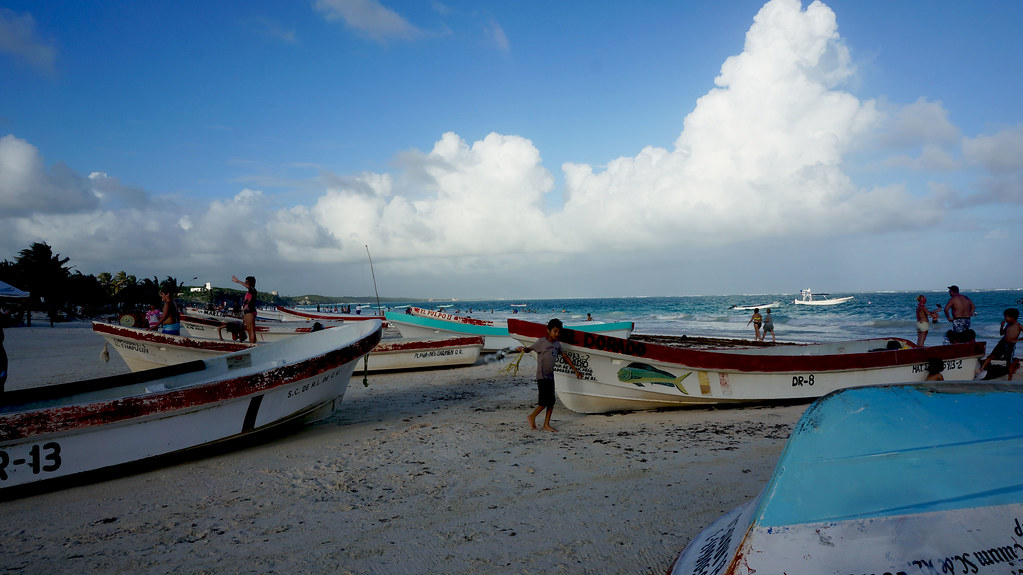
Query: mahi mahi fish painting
x: 640, y: 373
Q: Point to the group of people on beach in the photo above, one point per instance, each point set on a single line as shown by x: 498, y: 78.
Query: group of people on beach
x: 959, y: 312
x: 766, y: 321
x: 168, y: 319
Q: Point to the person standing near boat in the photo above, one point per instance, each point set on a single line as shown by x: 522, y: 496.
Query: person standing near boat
x: 1006, y: 347
x: 756, y: 320
x: 962, y: 311
x: 547, y: 351
x: 768, y: 326
x: 170, y: 319
x: 248, y: 306
x: 923, y: 319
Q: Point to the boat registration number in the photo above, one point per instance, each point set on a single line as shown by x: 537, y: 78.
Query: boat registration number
x: 40, y: 458
x: 800, y: 380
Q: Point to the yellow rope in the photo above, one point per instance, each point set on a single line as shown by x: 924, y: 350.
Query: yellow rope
x: 513, y: 367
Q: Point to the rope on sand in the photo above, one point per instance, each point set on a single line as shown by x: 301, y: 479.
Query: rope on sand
x: 513, y: 367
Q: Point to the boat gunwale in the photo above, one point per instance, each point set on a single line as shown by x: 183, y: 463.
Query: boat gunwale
x: 723, y: 360
x: 178, y: 341
x: 49, y: 420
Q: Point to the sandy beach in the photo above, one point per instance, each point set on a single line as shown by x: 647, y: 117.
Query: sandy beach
x: 420, y: 472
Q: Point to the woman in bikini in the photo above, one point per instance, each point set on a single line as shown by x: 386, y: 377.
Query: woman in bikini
x: 756, y: 320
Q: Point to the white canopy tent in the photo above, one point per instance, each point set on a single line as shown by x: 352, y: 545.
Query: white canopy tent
x: 9, y: 291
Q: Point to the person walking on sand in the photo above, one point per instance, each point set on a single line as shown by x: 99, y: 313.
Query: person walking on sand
x: 547, y: 351
x: 768, y: 326
x: 923, y: 319
x: 756, y: 320
x: 962, y: 311
x: 248, y: 306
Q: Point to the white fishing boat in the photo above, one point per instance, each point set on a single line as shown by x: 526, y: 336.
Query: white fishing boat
x: 624, y: 375
x: 496, y: 333
x: 262, y: 314
x: 59, y: 430
x: 221, y: 329
x: 442, y: 315
x: 899, y: 479
x: 423, y: 353
x: 143, y: 349
x: 807, y: 297
x: 771, y: 305
x: 292, y: 314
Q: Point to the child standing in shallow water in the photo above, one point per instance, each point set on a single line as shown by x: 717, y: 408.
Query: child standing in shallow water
x: 547, y: 351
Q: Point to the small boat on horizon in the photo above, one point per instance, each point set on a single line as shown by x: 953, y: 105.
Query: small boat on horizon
x: 629, y: 374
x: 771, y: 305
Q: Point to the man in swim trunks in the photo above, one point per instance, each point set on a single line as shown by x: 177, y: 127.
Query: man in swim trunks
x: 962, y: 310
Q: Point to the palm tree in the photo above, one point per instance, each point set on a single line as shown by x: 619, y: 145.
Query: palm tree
x: 45, y: 277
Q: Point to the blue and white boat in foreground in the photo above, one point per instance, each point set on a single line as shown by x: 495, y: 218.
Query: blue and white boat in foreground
x: 903, y: 479
x: 415, y: 325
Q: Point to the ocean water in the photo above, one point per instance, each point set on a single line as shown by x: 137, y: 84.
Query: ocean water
x: 867, y: 315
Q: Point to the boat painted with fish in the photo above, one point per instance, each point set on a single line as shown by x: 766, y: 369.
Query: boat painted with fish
x: 624, y: 375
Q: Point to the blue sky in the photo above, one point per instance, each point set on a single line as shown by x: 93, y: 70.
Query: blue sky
x: 518, y: 149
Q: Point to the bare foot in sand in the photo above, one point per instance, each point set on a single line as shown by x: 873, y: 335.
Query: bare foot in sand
x: 547, y: 428
x: 532, y: 420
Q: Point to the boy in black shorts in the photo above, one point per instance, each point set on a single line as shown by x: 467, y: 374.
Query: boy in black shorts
x: 547, y: 351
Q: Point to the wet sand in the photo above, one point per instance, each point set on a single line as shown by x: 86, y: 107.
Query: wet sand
x: 419, y: 472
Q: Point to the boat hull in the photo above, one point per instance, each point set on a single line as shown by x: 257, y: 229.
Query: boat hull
x: 496, y: 336
x: 143, y: 349
x: 835, y: 301
x: 771, y: 305
x: 627, y: 375
x: 887, y: 479
x: 202, y: 328
x: 94, y: 427
x: 427, y: 353
x: 291, y: 314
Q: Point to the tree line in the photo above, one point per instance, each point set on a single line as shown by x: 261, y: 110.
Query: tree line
x: 63, y: 294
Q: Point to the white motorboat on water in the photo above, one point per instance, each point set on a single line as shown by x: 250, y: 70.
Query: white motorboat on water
x: 771, y: 305
x: 807, y: 297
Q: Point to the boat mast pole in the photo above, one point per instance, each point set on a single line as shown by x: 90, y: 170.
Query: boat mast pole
x: 380, y: 310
